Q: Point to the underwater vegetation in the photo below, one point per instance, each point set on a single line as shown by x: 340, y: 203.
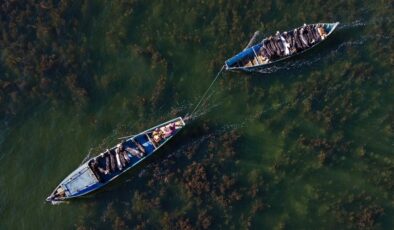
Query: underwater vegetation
x: 202, y: 192
x: 44, y: 55
x: 307, y: 146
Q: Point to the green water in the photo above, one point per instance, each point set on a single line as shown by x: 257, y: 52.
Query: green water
x: 313, y: 137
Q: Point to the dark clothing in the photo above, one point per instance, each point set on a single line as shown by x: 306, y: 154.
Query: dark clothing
x: 274, y: 47
x: 287, y: 38
x: 264, y: 51
x: 280, y: 45
x: 292, y: 39
x: 298, y: 42
x: 309, y: 30
x: 306, y: 37
x: 303, y: 39
x: 269, y: 49
x: 107, y: 164
x: 269, y: 52
x: 315, y: 34
x: 112, y: 161
x: 94, y: 167
x: 126, y: 157
x: 122, y: 160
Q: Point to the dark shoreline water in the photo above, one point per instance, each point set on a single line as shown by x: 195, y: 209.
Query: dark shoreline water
x: 305, y: 145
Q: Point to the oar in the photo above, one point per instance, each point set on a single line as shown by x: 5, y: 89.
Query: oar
x: 87, y: 157
x: 125, y: 137
x: 252, y: 40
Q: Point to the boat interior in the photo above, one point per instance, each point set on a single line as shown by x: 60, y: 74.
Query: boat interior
x: 128, y: 153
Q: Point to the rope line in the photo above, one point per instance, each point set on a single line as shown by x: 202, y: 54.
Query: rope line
x: 207, y: 98
x: 205, y: 94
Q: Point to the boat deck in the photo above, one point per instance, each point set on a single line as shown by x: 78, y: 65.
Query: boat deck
x: 82, y: 179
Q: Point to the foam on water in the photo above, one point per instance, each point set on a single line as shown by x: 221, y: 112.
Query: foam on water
x: 291, y: 64
x: 59, y: 202
x: 355, y: 24
x: 296, y: 64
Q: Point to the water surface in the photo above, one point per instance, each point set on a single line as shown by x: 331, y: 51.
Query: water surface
x: 306, y: 144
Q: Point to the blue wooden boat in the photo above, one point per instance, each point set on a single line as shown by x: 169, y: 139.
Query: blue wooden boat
x: 98, y: 171
x: 279, y: 47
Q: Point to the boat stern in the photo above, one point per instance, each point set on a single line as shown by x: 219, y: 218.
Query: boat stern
x: 233, y: 62
x: 58, y: 194
x: 78, y: 183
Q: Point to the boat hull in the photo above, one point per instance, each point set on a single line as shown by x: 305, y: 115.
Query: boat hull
x: 85, y: 180
x: 248, y: 52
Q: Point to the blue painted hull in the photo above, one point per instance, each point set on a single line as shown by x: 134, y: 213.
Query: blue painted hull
x: 84, y: 180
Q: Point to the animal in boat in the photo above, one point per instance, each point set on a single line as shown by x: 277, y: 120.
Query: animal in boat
x: 98, y: 171
x: 280, y: 46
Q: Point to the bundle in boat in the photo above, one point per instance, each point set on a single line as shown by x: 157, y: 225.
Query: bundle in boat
x: 280, y: 47
x: 105, y: 167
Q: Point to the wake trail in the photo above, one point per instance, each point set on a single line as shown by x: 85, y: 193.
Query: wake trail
x: 203, y: 112
x: 298, y: 64
x: 350, y: 25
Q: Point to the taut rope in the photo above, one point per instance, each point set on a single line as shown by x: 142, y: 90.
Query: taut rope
x: 206, y: 92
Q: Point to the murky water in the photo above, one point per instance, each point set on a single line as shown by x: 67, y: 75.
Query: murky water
x: 312, y: 136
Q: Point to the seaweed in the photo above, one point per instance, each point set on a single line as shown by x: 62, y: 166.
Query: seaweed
x: 308, y: 145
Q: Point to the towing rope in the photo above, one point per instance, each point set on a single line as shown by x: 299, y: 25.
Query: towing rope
x: 206, y: 92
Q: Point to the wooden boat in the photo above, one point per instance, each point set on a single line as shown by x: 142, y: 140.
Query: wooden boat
x: 100, y: 170
x: 280, y: 47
